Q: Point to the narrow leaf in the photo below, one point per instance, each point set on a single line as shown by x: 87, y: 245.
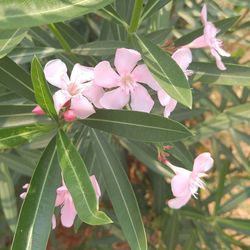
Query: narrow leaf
x: 42, y: 92
x: 120, y: 192
x: 137, y: 126
x: 14, y: 136
x: 9, y: 39
x: 209, y: 73
x: 16, y: 79
x: 34, y: 221
x: 20, y: 13
x: 77, y: 180
x: 8, y: 198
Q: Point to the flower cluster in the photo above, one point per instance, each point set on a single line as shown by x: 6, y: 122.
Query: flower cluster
x: 127, y: 83
x: 65, y: 202
x: 104, y: 87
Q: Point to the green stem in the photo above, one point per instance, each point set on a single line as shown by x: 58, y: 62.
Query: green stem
x: 135, y: 16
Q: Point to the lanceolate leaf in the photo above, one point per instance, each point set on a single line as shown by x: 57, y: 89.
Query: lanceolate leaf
x: 34, y: 221
x: 7, y: 197
x: 9, y: 39
x: 165, y: 70
x: 77, y: 180
x: 20, y: 13
x: 14, y: 136
x: 209, y: 73
x: 137, y: 125
x: 16, y: 79
x: 223, y: 25
x: 223, y: 121
x: 120, y: 192
x: 42, y: 92
x: 25, y: 55
x: 99, y: 48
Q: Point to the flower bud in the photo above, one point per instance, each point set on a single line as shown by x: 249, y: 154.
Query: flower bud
x: 69, y: 116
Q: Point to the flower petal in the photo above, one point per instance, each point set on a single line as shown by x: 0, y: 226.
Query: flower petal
x: 81, y: 74
x: 55, y: 72
x: 60, y: 98
x: 141, y: 100
x: 180, y: 185
x: 204, y: 14
x: 169, y: 108
x: 142, y: 74
x: 68, y: 212
x: 53, y: 221
x: 105, y: 76
x: 183, y: 58
x: 115, y: 99
x: 126, y: 60
x: 203, y: 163
x: 163, y: 97
x: 81, y: 106
x: 60, y: 194
x: 93, y: 93
x: 178, y: 202
x: 95, y: 186
x: 199, y: 42
x: 220, y: 65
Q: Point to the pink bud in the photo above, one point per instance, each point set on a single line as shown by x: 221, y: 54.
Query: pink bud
x: 69, y: 116
x: 38, y: 111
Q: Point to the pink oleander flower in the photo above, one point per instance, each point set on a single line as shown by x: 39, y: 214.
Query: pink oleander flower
x: 23, y: 196
x: 64, y: 199
x: 79, y: 90
x: 183, y: 57
x: 125, y: 82
x: 209, y: 40
x: 186, y: 183
x: 38, y: 110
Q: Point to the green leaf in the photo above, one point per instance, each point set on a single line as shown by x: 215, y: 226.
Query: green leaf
x: 16, y: 163
x: 9, y: 39
x: 137, y: 126
x: 152, y: 6
x: 165, y: 70
x: 14, y: 136
x: 34, y: 223
x: 8, y: 198
x: 120, y: 192
x: 99, y: 48
x: 236, y: 224
x: 209, y: 73
x: 223, y: 121
x: 20, y: 13
x: 25, y: 55
x: 15, y: 109
x: 42, y: 91
x: 16, y: 79
x: 77, y: 180
x: 223, y: 25
x: 146, y: 154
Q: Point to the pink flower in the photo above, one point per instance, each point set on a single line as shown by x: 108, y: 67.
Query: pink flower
x: 64, y: 199
x: 209, y: 40
x: 183, y: 57
x: 38, y: 110
x: 23, y: 196
x: 186, y: 183
x: 125, y: 82
x: 74, y: 89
